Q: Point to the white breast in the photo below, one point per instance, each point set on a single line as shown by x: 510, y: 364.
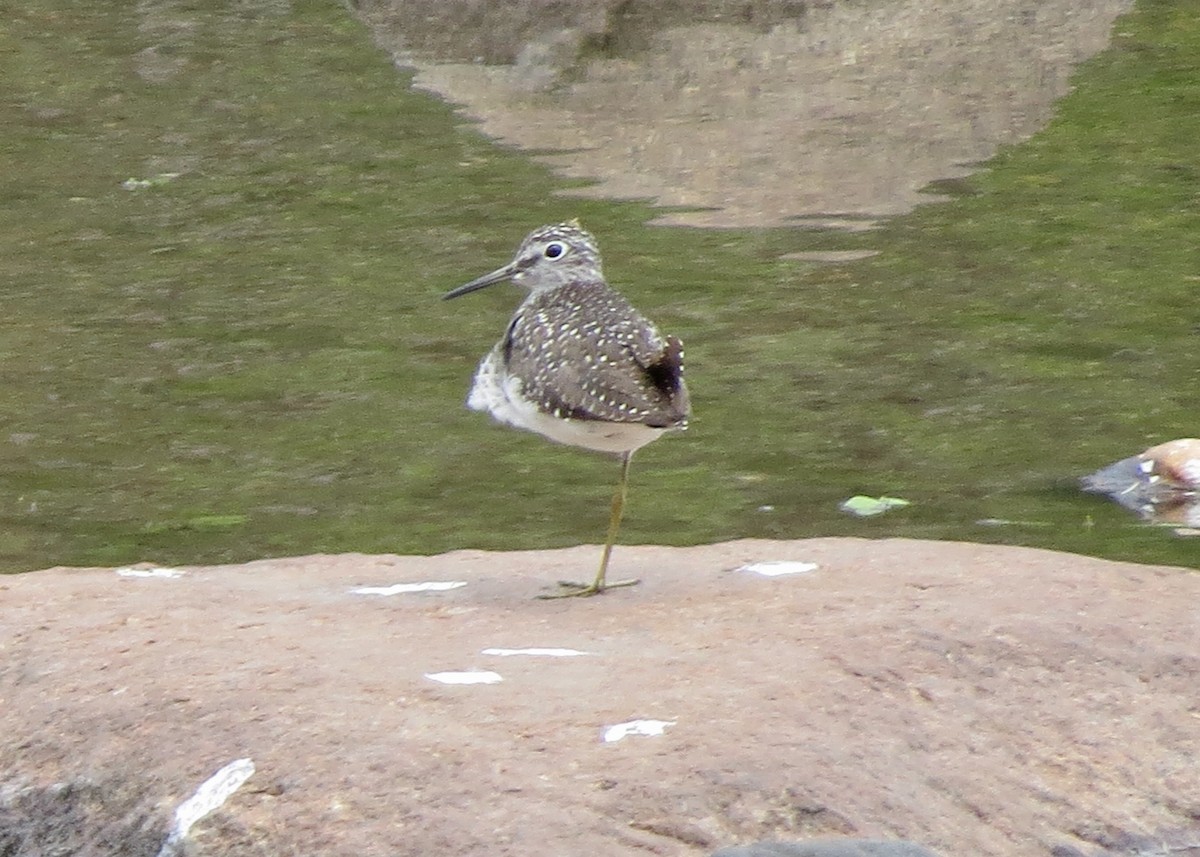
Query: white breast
x: 497, y: 393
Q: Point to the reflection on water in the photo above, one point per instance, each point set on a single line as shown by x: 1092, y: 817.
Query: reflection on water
x: 849, y: 110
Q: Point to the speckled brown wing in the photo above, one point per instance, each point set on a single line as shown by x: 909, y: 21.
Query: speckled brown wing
x: 582, y: 352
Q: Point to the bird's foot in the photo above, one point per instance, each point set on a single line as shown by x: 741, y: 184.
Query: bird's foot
x: 570, y: 589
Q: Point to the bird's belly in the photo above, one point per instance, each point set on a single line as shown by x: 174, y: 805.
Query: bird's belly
x: 500, y: 395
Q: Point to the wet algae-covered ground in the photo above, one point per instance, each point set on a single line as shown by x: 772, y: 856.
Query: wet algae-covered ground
x: 226, y: 229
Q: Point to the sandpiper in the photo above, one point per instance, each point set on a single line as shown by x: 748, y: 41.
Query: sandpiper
x: 579, y: 365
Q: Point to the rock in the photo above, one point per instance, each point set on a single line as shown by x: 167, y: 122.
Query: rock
x: 980, y: 700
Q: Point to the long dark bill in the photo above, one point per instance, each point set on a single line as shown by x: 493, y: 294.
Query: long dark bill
x: 497, y: 276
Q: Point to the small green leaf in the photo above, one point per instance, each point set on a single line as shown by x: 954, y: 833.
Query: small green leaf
x: 866, y: 507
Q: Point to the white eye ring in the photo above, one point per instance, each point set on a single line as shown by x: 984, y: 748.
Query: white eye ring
x: 555, y: 250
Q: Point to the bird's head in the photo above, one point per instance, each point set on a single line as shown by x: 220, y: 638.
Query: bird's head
x: 548, y: 258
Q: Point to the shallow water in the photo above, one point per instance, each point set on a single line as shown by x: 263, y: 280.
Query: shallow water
x: 225, y: 230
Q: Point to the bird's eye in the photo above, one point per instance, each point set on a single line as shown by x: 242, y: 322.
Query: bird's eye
x: 554, y: 249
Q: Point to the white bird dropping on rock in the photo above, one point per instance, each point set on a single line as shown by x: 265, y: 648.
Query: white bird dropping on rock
x: 636, y: 727
x: 535, y: 652
x: 466, y: 677
x: 212, y: 793
x: 779, y: 567
x: 404, y: 588
x: 155, y: 571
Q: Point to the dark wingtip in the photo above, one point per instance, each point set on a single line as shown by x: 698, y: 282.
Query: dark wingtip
x: 666, y: 374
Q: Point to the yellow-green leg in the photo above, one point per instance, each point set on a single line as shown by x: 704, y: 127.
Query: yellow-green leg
x: 575, y: 590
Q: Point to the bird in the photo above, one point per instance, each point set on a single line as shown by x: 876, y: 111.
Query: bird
x: 579, y: 365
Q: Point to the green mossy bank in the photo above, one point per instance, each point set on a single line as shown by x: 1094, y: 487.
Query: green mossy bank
x: 241, y: 352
